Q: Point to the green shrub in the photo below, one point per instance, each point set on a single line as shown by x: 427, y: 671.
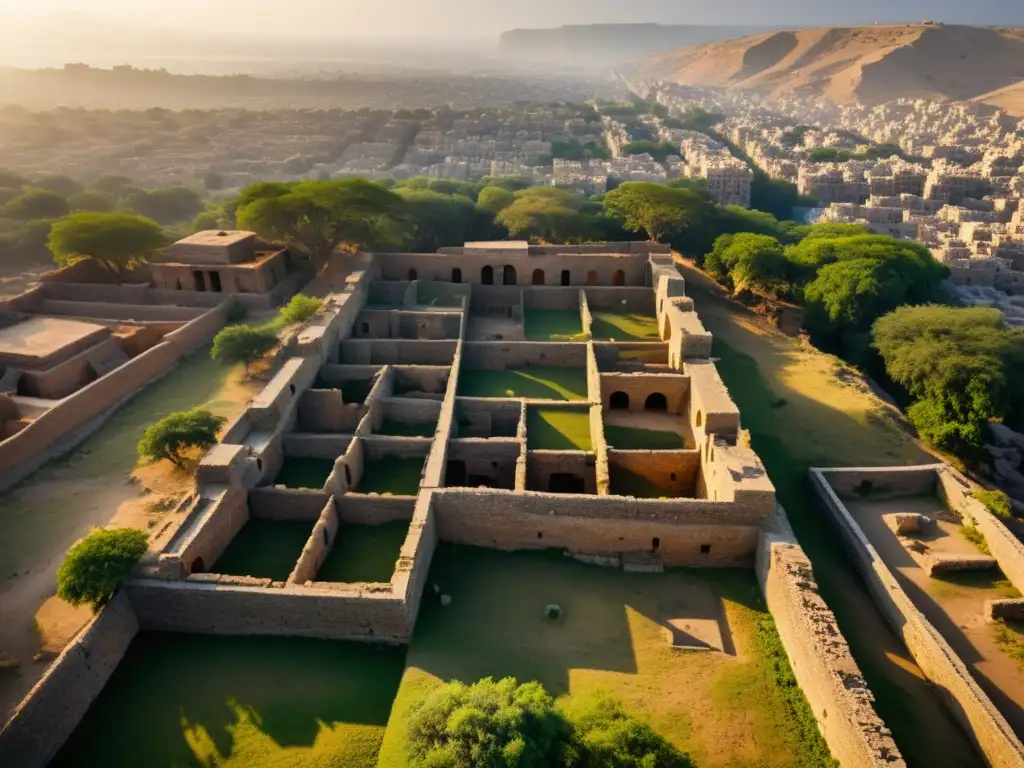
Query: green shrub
x: 170, y: 437
x: 997, y: 502
x: 94, y: 567
x: 242, y: 344
x: 300, y: 309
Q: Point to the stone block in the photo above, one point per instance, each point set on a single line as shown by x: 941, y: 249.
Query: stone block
x: 939, y: 564
x: 1004, y: 610
x: 906, y: 523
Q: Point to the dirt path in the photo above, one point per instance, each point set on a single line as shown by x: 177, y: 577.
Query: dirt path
x: 97, y: 484
x: 805, y: 408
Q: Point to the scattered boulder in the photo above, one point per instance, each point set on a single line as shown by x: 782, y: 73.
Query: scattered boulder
x: 939, y: 564
x: 906, y: 523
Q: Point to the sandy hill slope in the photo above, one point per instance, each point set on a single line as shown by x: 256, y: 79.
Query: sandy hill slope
x: 869, y: 64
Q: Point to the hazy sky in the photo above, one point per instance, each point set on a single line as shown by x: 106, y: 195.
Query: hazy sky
x: 477, y: 18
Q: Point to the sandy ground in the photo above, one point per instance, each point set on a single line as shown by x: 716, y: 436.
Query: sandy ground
x: 96, y: 485
x: 955, y: 609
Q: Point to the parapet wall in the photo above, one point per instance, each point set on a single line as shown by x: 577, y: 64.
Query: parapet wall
x: 838, y: 694
x: 58, y: 702
x: 941, y: 665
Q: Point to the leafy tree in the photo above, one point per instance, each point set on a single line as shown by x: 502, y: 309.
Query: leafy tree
x: 300, y: 309
x: 35, y: 204
x: 493, y: 200
x: 318, y: 216
x: 654, y: 208
x: 116, y: 240
x: 749, y: 262
x: 169, y: 205
x: 606, y: 736
x: 436, y: 220
x: 548, y: 214
x: 170, y: 437
x: 961, y: 366
x: 92, y: 200
x: 62, y: 185
x: 95, y: 566
x: 242, y: 344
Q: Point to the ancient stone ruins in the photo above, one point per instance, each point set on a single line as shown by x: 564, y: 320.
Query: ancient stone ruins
x: 421, y: 371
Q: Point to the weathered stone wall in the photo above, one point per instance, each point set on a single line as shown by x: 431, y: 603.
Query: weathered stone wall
x: 895, y: 481
x: 396, y: 352
x: 287, y: 504
x: 348, y: 469
x: 675, y: 471
x: 414, y: 559
x: 421, y: 378
x: 324, y: 410
x: 486, y: 417
x: 712, y: 410
x: 819, y: 655
x: 411, y: 410
x: 939, y: 662
x: 212, y: 604
x: 635, y: 300
x: 613, y: 355
x: 75, y: 418
x: 307, y: 446
x: 639, y: 386
x: 498, y: 356
x: 541, y: 465
x: 218, y: 522
x: 58, y: 702
x: 490, y: 460
x: 356, y: 509
x: 597, y: 525
x: 318, y: 546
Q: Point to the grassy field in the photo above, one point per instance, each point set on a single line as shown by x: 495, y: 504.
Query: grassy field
x: 407, y: 428
x: 724, y: 710
x: 803, y: 409
x: 392, y: 474
x: 553, y: 325
x: 634, y: 439
x: 535, y: 382
x: 239, y: 702
x: 364, y: 553
x: 304, y: 473
x: 267, y: 549
x: 627, y: 483
x: 558, y: 429
x: 624, y: 327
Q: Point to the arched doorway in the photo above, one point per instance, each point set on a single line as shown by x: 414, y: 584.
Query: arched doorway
x: 619, y: 401
x: 566, y: 277
x: 619, y: 278
x: 456, y: 275
x: 487, y: 275
x: 412, y: 274
x: 508, y: 275
x: 538, y: 277
x: 198, y: 566
x: 656, y: 402
x: 592, y: 277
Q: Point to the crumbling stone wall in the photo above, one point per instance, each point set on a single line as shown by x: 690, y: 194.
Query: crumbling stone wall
x: 356, y: 509
x: 58, y: 702
x: 396, y: 352
x: 286, y: 504
x: 318, y: 545
x: 324, y: 410
x: 315, y: 446
x: 424, y: 378
x: 490, y: 462
x: 966, y: 701
x: 674, y: 471
x: 499, y: 356
x: 819, y: 655
x: 487, y: 418
x: 639, y: 386
x: 541, y: 466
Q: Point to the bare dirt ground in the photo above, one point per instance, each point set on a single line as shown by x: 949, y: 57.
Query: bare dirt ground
x: 98, y: 484
x: 954, y: 605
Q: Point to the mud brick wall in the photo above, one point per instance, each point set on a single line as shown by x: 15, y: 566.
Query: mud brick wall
x: 541, y: 465
x: 939, y: 662
x: 538, y: 521
x: 493, y: 459
x: 611, y: 355
x: 287, y: 504
x: 640, y: 386
x: 675, y: 471
x: 413, y: 566
x: 355, y: 509
x: 492, y: 356
x: 318, y: 546
x: 315, y: 446
x: 58, y: 702
x: 637, y: 300
x: 895, y: 481
x: 820, y: 657
x: 411, y: 410
x: 348, y: 469
x: 216, y: 606
x: 381, y: 446
x: 483, y: 417
x: 423, y: 378
x: 228, y: 515
x: 324, y: 410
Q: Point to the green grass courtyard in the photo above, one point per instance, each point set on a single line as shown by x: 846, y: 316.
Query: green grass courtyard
x: 399, y: 476
x: 266, y: 549
x: 553, y: 325
x: 623, y: 326
x: 364, y: 553
x: 300, y: 472
x: 534, y: 383
x: 558, y: 429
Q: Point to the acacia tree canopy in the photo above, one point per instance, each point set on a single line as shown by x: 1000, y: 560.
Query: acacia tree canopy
x: 94, y: 566
x: 116, y: 240
x: 170, y: 437
x: 654, y: 208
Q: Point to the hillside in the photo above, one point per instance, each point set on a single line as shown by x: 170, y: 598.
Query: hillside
x: 869, y: 64
x: 612, y: 43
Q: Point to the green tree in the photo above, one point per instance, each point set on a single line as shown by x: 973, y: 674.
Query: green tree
x: 493, y: 200
x: 654, y: 208
x: 95, y: 566
x: 748, y: 261
x: 317, y: 217
x: 35, y: 204
x: 242, y: 344
x: 300, y: 309
x: 92, y: 200
x: 606, y: 736
x: 436, y: 220
x: 114, y: 185
x: 170, y: 437
x: 58, y: 183
x: 115, y: 240
x: 168, y: 205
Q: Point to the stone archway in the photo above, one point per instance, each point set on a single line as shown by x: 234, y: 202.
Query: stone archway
x: 538, y: 277
x: 198, y: 566
x: 508, y: 275
x: 656, y: 402
x: 487, y: 275
x: 619, y: 401
x: 619, y: 278
x: 566, y: 277
x: 456, y: 275
x: 412, y: 274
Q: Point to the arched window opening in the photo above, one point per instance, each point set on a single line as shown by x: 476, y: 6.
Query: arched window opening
x: 619, y: 401
x: 656, y: 402
x: 538, y: 277
x: 487, y: 275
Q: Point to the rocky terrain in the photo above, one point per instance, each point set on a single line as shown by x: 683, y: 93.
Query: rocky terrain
x: 867, y: 64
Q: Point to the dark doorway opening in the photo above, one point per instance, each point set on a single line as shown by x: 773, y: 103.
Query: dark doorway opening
x: 456, y: 275
x: 215, y: 282
x: 455, y: 477
x: 656, y: 402
x: 538, y: 277
x: 487, y: 275
x: 197, y: 278
x: 412, y: 274
x: 619, y: 401
x: 566, y: 277
x: 563, y: 482
x: 655, y: 543
x: 198, y: 566
x: 592, y: 277
x: 619, y: 278
x: 508, y: 275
